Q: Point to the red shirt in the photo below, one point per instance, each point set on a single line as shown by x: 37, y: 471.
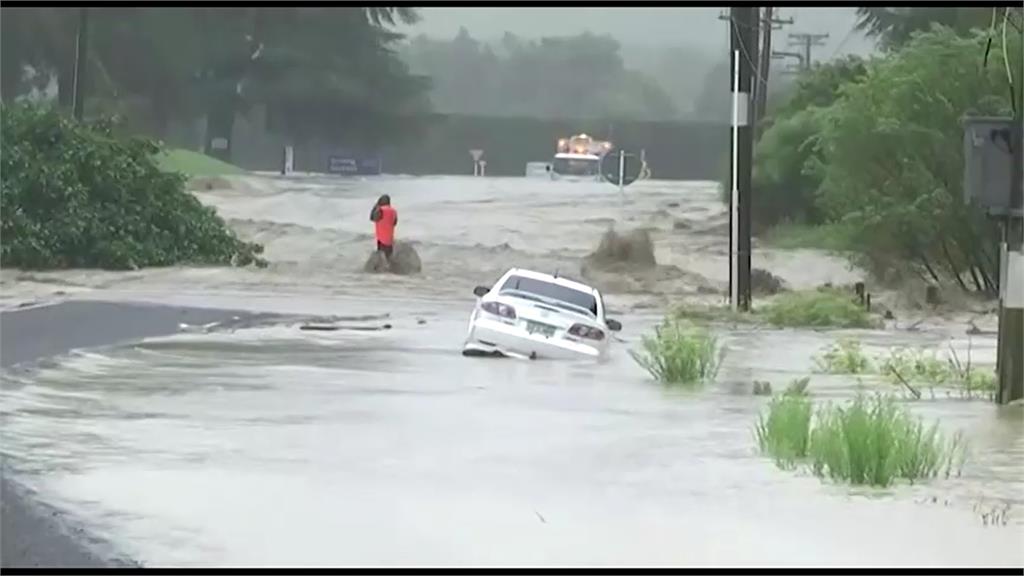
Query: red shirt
x: 386, y: 225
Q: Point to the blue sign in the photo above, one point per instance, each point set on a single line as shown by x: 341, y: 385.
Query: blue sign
x: 352, y: 165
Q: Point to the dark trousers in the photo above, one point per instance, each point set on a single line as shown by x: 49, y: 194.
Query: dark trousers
x: 387, y: 249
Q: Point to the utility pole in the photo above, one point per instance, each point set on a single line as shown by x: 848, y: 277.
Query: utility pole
x: 1010, y: 350
x: 81, y: 61
x: 806, y: 41
x: 743, y: 36
x: 768, y: 24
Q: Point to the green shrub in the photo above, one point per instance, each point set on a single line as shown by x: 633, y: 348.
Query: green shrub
x: 74, y: 195
x: 906, y: 366
x: 915, y: 364
x: 816, y: 309
x: 784, y: 433
x: 678, y: 352
x: 875, y: 441
x: 844, y: 357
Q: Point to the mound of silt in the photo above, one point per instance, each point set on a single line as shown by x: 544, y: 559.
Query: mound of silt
x: 631, y: 250
x: 404, y: 260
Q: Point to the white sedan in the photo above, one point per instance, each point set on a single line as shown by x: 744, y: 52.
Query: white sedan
x: 536, y: 315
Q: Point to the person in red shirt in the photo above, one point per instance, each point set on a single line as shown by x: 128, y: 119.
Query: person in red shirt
x: 385, y: 218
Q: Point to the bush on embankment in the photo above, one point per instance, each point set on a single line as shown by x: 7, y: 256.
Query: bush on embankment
x: 821, y: 308
x: 74, y: 195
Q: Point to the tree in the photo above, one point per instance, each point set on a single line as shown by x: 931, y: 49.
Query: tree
x: 891, y: 155
x: 566, y: 77
x: 784, y: 157
x: 895, y: 26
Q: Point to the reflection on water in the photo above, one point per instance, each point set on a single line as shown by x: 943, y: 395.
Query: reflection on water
x: 272, y: 445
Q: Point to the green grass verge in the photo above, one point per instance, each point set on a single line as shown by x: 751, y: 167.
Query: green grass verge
x: 823, y: 308
x: 832, y: 237
x: 192, y: 163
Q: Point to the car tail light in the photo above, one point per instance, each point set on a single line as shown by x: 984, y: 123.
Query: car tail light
x: 499, y: 309
x: 584, y: 331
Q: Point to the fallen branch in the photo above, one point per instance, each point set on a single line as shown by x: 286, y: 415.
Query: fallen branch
x: 903, y: 381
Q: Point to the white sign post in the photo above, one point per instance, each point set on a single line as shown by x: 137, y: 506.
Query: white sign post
x: 476, y: 154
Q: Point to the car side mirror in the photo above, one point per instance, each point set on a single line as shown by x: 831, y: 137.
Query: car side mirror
x: 613, y: 325
x: 481, y: 291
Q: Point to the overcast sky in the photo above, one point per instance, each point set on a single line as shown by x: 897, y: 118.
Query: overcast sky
x: 698, y: 27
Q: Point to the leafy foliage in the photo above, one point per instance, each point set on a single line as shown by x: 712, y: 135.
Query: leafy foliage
x: 816, y: 309
x: 75, y: 196
x: 784, y: 174
x: 891, y: 156
x: 177, y: 64
x: 566, y: 77
x: 894, y: 27
x: 844, y: 357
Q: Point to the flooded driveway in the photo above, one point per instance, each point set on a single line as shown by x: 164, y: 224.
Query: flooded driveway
x: 378, y: 444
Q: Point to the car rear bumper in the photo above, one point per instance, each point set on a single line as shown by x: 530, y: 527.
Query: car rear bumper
x: 488, y: 335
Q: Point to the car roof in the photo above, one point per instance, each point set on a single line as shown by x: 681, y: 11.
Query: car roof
x: 559, y: 280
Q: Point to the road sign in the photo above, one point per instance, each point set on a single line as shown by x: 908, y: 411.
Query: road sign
x: 619, y: 161
x: 353, y: 165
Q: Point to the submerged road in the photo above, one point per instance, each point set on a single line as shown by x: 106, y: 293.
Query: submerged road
x: 32, y: 533
x: 275, y: 446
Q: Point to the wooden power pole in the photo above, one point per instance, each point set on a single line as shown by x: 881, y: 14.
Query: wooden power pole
x: 1010, y: 350
x: 768, y: 24
x: 743, y: 46
x: 81, y: 64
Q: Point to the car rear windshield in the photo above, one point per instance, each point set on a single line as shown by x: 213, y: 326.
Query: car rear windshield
x: 552, y: 291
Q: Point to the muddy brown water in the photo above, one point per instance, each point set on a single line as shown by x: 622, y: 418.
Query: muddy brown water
x: 275, y: 445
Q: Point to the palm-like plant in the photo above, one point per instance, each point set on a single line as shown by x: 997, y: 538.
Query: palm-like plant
x: 391, y: 15
x: 894, y: 26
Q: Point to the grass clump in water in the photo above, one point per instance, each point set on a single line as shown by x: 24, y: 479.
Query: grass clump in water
x: 784, y: 433
x: 869, y: 441
x: 823, y: 308
x: 874, y: 442
x: 679, y: 353
x: 844, y: 357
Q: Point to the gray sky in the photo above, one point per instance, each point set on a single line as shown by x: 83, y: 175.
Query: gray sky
x: 698, y: 27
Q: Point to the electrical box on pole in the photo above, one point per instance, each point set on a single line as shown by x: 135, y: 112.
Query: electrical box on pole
x: 988, y: 164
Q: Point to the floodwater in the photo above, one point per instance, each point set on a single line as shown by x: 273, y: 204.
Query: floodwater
x: 378, y: 444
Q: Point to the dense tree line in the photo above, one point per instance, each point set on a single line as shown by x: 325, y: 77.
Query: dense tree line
x: 313, y: 68
x: 875, y: 146
x: 579, y: 76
